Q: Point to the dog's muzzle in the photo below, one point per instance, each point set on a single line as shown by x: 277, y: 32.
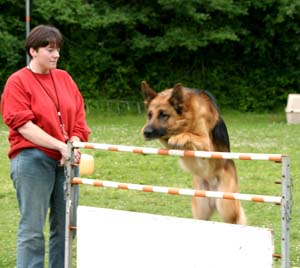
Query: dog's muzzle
x: 154, y: 133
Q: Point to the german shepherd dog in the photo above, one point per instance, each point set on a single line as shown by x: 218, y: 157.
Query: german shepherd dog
x: 189, y: 119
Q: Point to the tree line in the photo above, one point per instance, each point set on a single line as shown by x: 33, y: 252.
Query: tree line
x: 245, y: 52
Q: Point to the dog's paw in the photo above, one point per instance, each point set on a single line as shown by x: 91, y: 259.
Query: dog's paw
x: 189, y: 141
x: 181, y: 142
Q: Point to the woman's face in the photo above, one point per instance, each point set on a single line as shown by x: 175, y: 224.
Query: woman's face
x: 44, y: 58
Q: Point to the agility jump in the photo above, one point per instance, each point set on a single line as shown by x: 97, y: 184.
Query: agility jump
x: 284, y: 200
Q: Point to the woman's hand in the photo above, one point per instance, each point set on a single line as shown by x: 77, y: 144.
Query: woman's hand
x: 77, y: 156
x: 77, y: 153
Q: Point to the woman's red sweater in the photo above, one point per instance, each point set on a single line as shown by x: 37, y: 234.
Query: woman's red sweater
x: 26, y: 97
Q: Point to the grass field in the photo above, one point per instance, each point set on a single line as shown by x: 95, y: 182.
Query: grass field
x: 250, y: 133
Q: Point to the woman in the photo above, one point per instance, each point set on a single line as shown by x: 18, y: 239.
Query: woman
x: 43, y: 109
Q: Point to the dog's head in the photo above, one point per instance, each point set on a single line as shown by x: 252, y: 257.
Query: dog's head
x: 164, y: 111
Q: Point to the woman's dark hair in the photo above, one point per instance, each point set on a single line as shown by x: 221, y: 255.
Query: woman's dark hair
x: 42, y: 36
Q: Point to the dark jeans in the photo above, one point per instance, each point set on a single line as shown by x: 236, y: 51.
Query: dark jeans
x: 39, y: 183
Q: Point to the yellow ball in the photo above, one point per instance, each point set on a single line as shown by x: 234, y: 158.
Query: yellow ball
x: 87, y: 165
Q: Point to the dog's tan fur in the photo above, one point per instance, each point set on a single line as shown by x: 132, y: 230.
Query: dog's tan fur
x: 187, y: 119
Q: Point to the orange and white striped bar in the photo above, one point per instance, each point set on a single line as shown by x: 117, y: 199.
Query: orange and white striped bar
x: 181, y: 153
x: 178, y: 191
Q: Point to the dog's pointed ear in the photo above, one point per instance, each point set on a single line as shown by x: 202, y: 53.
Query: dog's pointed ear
x: 176, y: 99
x: 148, y: 93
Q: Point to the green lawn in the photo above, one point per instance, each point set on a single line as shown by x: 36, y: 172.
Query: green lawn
x: 250, y: 133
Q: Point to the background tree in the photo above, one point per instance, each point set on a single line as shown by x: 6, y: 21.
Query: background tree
x: 245, y: 52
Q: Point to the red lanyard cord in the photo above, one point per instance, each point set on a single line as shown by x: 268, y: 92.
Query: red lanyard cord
x: 57, y: 106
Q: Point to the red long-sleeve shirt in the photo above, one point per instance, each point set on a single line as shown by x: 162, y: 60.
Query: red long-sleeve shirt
x: 24, y: 99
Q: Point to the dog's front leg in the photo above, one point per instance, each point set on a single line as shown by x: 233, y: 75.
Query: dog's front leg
x: 202, y: 208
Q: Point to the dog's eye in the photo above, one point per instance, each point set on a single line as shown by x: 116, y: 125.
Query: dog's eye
x: 149, y: 115
x: 163, y: 116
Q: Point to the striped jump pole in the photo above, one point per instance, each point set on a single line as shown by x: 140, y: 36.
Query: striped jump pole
x: 177, y: 191
x: 180, y: 153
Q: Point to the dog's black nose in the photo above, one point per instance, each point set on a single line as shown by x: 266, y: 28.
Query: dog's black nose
x: 148, y: 132
x: 151, y: 132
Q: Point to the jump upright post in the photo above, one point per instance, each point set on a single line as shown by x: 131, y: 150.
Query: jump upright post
x: 68, y: 188
x: 284, y: 200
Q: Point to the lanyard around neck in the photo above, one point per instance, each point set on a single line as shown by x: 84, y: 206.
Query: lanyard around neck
x: 57, y: 104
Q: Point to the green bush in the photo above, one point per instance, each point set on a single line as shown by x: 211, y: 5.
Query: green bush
x: 245, y: 52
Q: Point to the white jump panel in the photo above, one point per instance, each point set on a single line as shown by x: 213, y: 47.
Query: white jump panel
x: 113, y: 238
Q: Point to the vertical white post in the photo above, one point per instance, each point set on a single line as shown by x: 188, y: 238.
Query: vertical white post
x: 285, y: 213
x: 27, y: 18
